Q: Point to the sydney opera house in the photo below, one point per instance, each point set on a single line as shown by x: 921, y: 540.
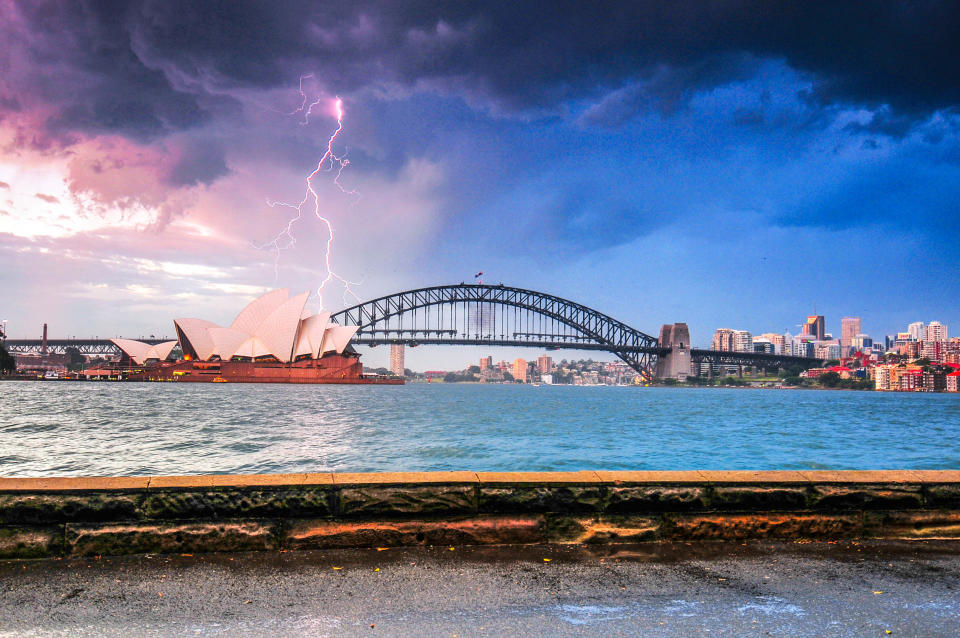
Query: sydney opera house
x: 275, y: 339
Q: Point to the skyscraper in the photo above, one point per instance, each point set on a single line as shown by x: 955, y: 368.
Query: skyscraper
x: 849, y: 328
x: 742, y: 341
x: 723, y: 340
x: 916, y: 330
x: 815, y: 327
x: 520, y: 370
x: 935, y: 331
x: 544, y: 364
x: 396, y: 359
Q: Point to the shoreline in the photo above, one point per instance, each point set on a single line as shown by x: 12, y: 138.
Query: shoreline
x: 56, y: 517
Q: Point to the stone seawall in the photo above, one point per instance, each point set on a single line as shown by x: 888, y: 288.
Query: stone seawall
x: 44, y: 517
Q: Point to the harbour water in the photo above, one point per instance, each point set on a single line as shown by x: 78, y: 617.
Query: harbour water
x: 71, y: 429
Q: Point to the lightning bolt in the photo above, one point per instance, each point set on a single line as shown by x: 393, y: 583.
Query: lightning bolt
x: 328, y: 162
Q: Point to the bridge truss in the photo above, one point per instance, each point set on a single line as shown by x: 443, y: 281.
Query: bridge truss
x: 88, y: 347
x: 487, y: 315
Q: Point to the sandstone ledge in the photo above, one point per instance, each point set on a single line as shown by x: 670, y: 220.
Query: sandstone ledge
x: 116, y: 515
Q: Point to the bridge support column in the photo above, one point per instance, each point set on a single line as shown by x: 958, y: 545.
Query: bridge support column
x: 676, y: 363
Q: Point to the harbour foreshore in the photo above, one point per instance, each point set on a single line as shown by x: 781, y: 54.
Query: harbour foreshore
x: 82, y: 516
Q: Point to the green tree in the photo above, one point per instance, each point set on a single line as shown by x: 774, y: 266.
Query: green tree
x: 669, y: 381
x: 77, y: 360
x: 507, y: 376
x: 7, y: 363
x: 829, y: 379
x: 474, y: 369
x: 831, y: 362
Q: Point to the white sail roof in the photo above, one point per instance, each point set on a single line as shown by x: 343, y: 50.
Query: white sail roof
x: 252, y: 348
x: 279, y: 330
x: 258, y: 310
x: 197, y: 333
x: 310, y: 339
x: 226, y: 341
x: 142, y: 352
x: 274, y: 324
x: 337, y: 337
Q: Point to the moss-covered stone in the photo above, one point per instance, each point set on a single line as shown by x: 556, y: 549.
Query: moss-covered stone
x: 942, y: 496
x: 43, y: 508
x: 545, y: 498
x: 170, y: 538
x: 30, y: 542
x: 656, y: 498
x: 728, y: 527
x: 407, y: 501
x: 237, y: 503
x: 493, y: 530
x: 912, y: 524
x: 869, y: 497
x: 756, y: 497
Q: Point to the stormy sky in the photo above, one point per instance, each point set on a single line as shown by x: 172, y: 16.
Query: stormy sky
x: 729, y: 164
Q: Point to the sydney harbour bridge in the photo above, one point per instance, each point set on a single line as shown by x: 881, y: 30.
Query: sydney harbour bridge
x: 496, y: 315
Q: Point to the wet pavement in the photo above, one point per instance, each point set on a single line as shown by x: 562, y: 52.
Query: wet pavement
x: 754, y: 589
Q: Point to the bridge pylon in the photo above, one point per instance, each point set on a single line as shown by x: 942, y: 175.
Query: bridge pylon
x: 675, y: 363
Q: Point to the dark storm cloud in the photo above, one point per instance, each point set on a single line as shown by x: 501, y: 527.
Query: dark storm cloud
x: 147, y: 68
x: 199, y: 163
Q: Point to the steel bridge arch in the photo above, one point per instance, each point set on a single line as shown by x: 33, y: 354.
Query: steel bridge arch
x: 594, y: 329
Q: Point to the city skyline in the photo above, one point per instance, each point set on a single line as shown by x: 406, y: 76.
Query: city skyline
x: 716, y: 170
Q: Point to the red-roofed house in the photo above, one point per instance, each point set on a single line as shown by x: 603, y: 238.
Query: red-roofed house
x: 953, y: 381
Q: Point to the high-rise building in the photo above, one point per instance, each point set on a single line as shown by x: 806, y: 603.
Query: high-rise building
x: 396, y: 359
x: 742, y: 341
x: 935, y: 331
x: 485, y: 362
x: 815, y: 327
x: 544, y: 364
x: 916, y: 330
x: 861, y: 342
x: 778, y: 340
x: 723, y: 340
x: 764, y: 345
x: 850, y: 327
x: 520, y: 370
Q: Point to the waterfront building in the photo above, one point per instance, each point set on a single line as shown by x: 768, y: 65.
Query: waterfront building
x: 916, y: 330
x: 827, y: 350
x: 544, y: 364
x: 884, y: 376
x: 274, y: 339
x: 935, y: 331
x: 803, y: 345
x: 485, y: 362
x: 953, y: 382
x: 849, y: 328
x: 816, y: 327
x: 861, y: 342
x: 933, y: 350
x: 778, y: 341
x: 934, y: 382
x: 910, y: 380
x: 723, y: 340
x: 742, y: 341
x: 396, y: 359
x: 520, y: 370
x: 763, y: 345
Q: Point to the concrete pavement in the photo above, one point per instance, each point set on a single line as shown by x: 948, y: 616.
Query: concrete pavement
x: 754, y: 589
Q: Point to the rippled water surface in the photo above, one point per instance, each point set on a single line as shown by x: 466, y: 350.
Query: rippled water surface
x: 61, y: 428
